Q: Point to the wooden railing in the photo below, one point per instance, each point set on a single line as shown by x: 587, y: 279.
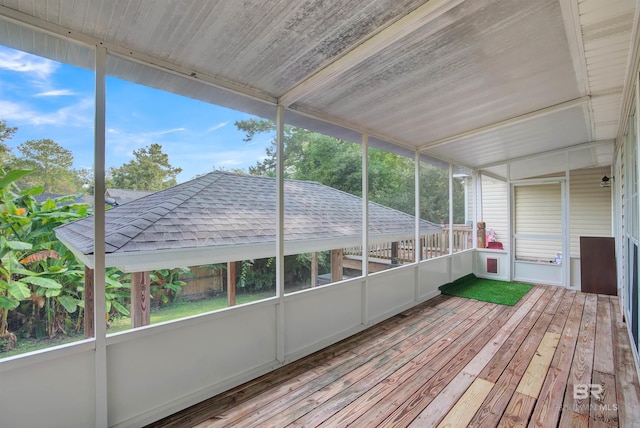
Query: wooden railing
x: 433, y: 245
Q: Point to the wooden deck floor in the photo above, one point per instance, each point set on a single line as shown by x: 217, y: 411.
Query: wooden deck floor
x: 453, y: 362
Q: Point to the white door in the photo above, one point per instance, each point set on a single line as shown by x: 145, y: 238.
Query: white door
x: 538, y: 233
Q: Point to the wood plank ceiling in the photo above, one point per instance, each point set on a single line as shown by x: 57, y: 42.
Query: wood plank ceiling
x: 477, y: 82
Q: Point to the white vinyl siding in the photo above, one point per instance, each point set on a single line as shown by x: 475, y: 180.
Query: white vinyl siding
x: 538, y: 211
x: 495, y: 210
x: 590, y: 205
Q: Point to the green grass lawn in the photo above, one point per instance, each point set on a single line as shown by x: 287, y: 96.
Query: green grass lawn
x: 487, y: 290
x: 167, y: 312
x: 176, y: 310
x: 28, y: 345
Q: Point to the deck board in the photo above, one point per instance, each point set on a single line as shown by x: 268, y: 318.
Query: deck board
x: 548, y: 406
x: 452, y: 362
x: 498, y: 399
x: 383, y: 364
x: 518, y: 410
x: 496, y: 366
x: 439, y: 407
x: 582, y: 364
x: 454, y: 349
x: 603, y: 357
x: 384, y: 388
x: 404, y: 414
x: 464, y: 408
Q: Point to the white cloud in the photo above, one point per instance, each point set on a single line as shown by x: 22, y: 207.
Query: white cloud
x: 78, y: 114
x: 26, y: 63
x: 169, y: 131
x: 12, y: 111
x: 217, y: 126
x: 230, y: 162
x: 123, y: 142
x: 56, y: 93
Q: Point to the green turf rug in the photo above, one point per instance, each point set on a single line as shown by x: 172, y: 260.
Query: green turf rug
x: 487, y: 290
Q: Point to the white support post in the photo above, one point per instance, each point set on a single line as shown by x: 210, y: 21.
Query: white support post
x: 477, y: 205
x: 511, y: 212
x: 450, y: 208
x: 636, y: 208
x: 566, y: 225
x: 417, y: 245
x: 466, y: 201
x: 365, y: 229
x: 99, y: 239
x: 280, y: 339
x: 478, y: 197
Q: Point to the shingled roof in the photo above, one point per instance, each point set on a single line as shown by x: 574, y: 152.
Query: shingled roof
x: 225, y: 216
x: 123, y: 196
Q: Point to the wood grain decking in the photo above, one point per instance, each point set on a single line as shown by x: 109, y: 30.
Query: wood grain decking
x: 453, y: 362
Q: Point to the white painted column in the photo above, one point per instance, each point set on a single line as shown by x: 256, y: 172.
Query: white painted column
x: 477, y: 205
x: 365, y: 229
x: 450, y: 208
x: 280, y: 327
x: 511, y: 212
x: 417, y: 245
x: 566, y: 225
x: 466, y: 200
x: 99, y: 237
x: 637, y: 178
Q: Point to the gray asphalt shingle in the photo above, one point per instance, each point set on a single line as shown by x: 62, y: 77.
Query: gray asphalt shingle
x: 123, y: 196
x: 223, y: 208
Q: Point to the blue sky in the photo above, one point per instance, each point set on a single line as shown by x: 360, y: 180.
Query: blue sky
x: 46, y: 99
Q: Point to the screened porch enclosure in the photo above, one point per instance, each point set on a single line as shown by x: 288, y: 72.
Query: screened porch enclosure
x: 501, y: 112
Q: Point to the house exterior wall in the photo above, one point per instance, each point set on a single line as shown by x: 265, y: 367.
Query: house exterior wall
x: 539, y: 208
x: 590, y: 206
x: 495, y: 209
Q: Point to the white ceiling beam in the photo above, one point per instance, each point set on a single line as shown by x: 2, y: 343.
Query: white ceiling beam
x: 421, y: 16
x: 633, y: 68
x: 571, y: 16
x: 508, y: 122
x: 573, y: 28
x: 547, y: 153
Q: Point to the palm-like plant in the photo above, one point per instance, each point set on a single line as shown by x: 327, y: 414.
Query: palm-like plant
x: 34, y: 265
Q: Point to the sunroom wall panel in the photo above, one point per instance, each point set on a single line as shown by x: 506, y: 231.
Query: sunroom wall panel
x: 590, y: 205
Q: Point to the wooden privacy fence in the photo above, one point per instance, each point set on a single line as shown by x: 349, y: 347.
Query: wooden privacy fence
x: 433, y: 245
x: 204, y: 282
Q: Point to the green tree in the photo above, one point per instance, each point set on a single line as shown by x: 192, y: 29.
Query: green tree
x: 312, y: 156
x: 309, y: 156
x: 85, y: 178
x: 51, y: 165
x: 6, y: 133
x: 150, y: 170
